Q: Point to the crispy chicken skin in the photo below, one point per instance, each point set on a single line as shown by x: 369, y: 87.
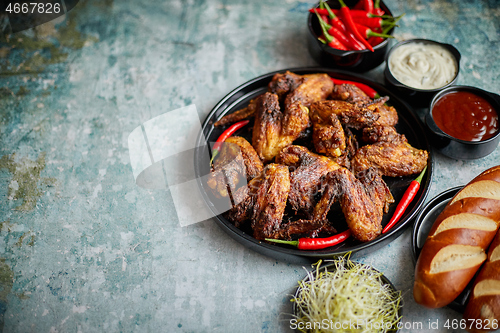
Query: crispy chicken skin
x: 266, y: 135
x: 229, y: 173
x: 362, y: 200
x: 307, y: 169
x: 328, y: 134
x: 387, y: 115
x: 241, y: 114
x: 393, y: 159
x: 282, y: 84
x: 315, y: 88
x: 349, y: 114
x: 236, y: 161
x: 262, y: 202
x: 275, y: 129
x: 270, y: 201
x: 306, y: 228
x: 349, y: 93
x: 253, y: 164
x: 382, y: 133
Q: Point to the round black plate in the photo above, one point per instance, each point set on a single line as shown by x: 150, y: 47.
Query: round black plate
x: 409, y: 125
x: 331, y: 268
x: 422, y: 226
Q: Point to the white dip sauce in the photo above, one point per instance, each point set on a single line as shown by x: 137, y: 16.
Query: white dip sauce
x: 423, y: 65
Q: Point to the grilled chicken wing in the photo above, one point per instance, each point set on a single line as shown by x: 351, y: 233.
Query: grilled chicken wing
x: 393, y: 159
x: 387, y: 115
x: 350, y: 93
x: 270, y: 201
x: 351, y: 115
x: 328, y: 134
x: 282, y: 84
x: 241, y: 114
x: 236, y: 163
x: 266, y: 136
x: 305, y: 179
x: 275, y: 129
x: 382, y: 133
x: 363, y: 201
x: 262, y: 202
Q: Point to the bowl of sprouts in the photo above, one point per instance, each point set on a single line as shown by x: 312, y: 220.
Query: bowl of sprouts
x: 341, y: 295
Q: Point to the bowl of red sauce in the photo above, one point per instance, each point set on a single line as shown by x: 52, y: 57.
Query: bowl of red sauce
x: 464, y: 122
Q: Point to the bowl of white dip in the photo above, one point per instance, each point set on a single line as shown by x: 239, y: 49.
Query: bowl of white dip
x: 419, y: 68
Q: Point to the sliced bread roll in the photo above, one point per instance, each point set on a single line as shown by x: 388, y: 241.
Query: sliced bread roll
x: 457, y: 243
x: 482, y: 312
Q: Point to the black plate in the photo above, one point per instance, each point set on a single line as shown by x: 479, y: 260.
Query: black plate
x: 421, y: 228
x: 409, y: 125
x: 331, y: 268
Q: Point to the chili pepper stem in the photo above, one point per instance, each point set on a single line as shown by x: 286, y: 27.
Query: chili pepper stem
x: 281, y: 241
x: 421, y: 176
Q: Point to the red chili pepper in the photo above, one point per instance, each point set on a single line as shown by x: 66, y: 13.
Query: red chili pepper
x: 332, y: 41
x: 321, y: 11
x: 346, y: 14
x: 375, y: 22
x: 408, y: 196
x: 366, y: 89
x: 315, y: 243
x: 366, y: 32
x: 359, y: 5
x: 355, y: 13
x: 377, y: 40
x: 368, y: 5
x: 376, y: 8
x: 226, y: 134
x: 334, y: 20
x: 348, y: 42
x: 351, y: 42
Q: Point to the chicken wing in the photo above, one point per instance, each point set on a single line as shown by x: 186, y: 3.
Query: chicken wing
x: 362, y: 200
x: 393, y: 159
x: 305, y: 179
x: 349, y: 93
x: 328, y: 134
x: 241, y: 114
x: 266, y: 135
x: 282, y: 84
x: 382, y: 133
x: 349, y: 114
x: 236, y: 162
x: 275, y: 129
x: 270, y: 200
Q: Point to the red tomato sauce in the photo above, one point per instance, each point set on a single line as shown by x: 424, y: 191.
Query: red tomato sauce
x: 465, y: 116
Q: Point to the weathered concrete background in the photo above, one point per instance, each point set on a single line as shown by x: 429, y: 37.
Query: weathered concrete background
x: 82, y: 248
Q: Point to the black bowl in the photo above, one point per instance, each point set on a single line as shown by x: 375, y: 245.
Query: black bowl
x: 423, y: 224
x: 409, y: 124
x: 456, y: 148
x: 355, y: 61
x: 331, y: 267
x: 419, y: 97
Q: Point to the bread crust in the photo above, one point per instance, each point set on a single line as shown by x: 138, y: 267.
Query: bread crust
x: 484, y: 300
x: 457, y: 243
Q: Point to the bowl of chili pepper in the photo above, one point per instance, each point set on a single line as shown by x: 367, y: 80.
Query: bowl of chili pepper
x: 349, y: 34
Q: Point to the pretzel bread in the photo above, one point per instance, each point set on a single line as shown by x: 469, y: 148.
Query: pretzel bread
x: 482, y: 312
x: 457, y: 243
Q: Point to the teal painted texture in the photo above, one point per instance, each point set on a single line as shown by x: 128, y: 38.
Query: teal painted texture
x: 82, y: 247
